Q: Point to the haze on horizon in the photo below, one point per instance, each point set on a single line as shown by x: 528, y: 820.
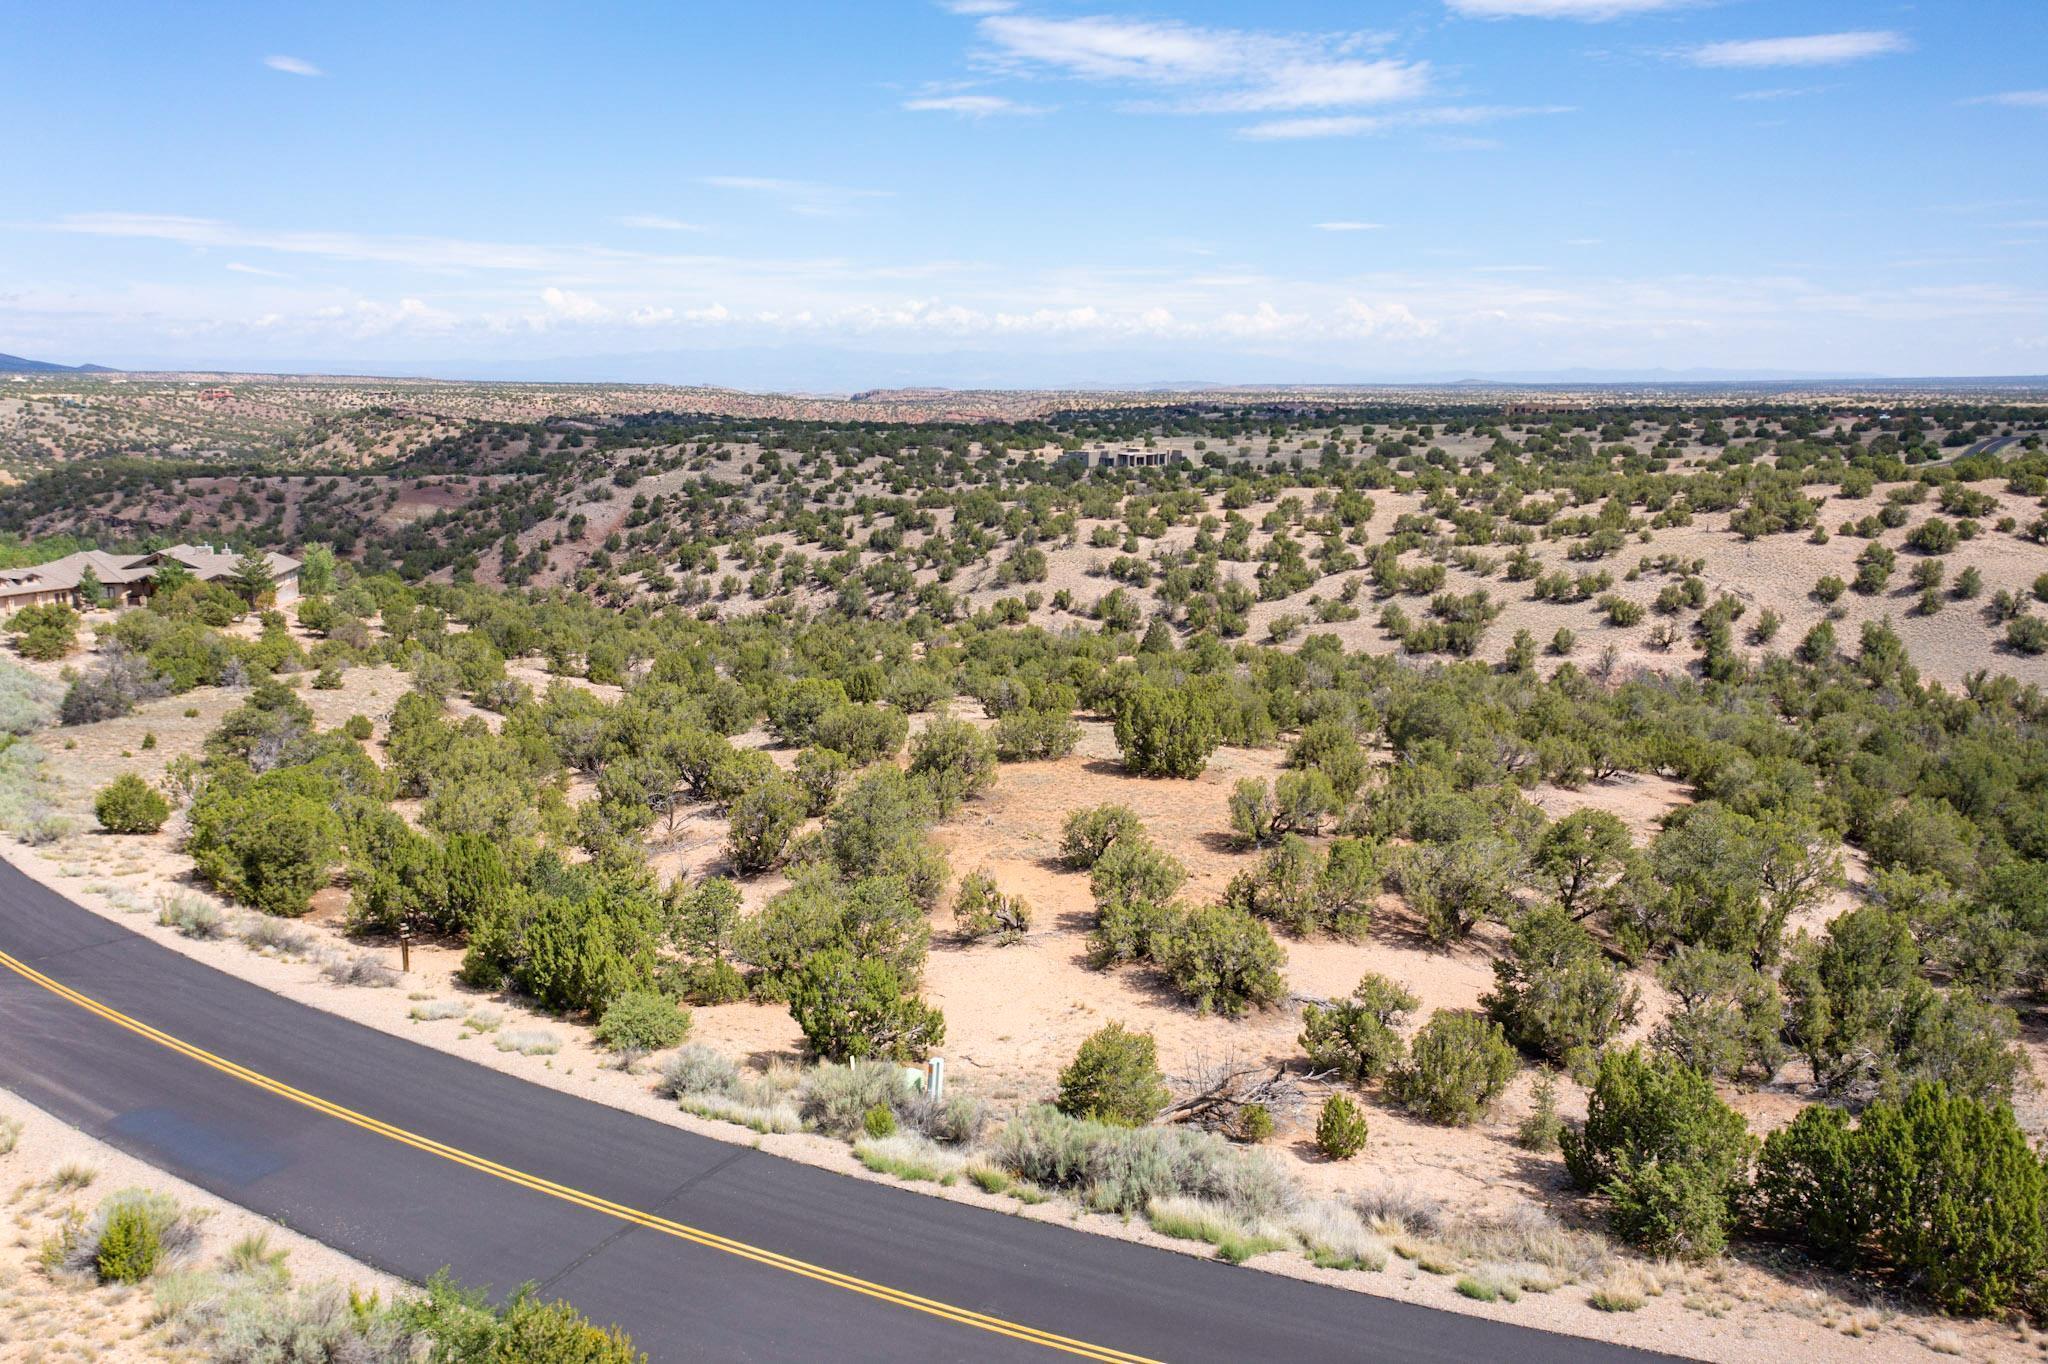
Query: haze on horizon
x: 1030, y: 192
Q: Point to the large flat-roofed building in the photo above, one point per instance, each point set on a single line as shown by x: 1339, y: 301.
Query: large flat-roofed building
x: 128, y: 579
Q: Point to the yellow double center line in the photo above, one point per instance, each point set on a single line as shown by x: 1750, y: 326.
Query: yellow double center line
x: 882, y: 1292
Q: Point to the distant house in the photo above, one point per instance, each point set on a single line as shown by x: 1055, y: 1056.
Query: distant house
x: 128, y: 579
x: 1124, y: 459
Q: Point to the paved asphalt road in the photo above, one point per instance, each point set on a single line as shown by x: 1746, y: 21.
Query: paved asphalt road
x: 411, y: 1211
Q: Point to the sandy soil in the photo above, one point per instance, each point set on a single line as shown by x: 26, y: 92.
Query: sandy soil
x: 45, y: 1318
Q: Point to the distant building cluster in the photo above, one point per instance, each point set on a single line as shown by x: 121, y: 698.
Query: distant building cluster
x: 128, y: 579
x: 1125, y: 459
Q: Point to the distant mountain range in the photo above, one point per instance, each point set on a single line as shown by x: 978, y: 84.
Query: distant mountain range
x: 14, y: 364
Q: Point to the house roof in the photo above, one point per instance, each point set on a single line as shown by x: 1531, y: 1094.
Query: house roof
x: 115, y: 570
x: 62, y: 575
x: 208, y: 563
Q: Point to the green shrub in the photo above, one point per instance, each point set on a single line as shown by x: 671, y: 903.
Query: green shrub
x: 637, y: 1022
x: 954, y: 760
x: 983, y: 911
x: 879, y: 1121
x: 1165, y: 732
x: 1341, y: 1128
x: 1666, y: 1153
x: 464, y: 1327
x: 1457, y: 885
x: 1457, y: 1067
x: 1356, y: 1039
x: 357, y: 727
x: 1727, y: 1017
x: 1221, y: 958
x: 130, y: 805
x: 44, y: 633
x: 1134, y: 870
x: 1127, y: 930
x: 134, y: 1234
x: 851, y: 1007
x: 1114, y: 1078
x: 1555, y: 991
x: 820, y: 773
x: 1810, y: 1186
x: 1254, y: 1124
x: 1087, y: 834
x: 1035, y: 735
x: 268, y: 846
x: 1943, y: 1188
x: 762, y: 822
x: 129, y: 1249
x: 863, y: 733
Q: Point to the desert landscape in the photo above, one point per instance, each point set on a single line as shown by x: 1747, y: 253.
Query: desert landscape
x: 995, y: 680
x: 719, y: 722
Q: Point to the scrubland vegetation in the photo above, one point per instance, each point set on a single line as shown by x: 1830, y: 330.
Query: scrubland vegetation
x: 694, y: 771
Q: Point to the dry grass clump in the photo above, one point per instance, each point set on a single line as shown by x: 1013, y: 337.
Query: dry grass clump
x: 362, y: 969
x: 437, y: 1010
x: 909, y: 1156
x: 705, y: 1083
x: 1119, y: 1169
x: 281, y: 937
x: 1235, y: 1237
x: 192, y: 917
x: 1626, y: 1287
x: 529, y: 1042
x: 1334, y: 1236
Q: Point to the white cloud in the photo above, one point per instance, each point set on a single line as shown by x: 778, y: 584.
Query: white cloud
x: 979, y: 7
x: 239, y: 268
x: 1588, y: 10
x: 1223, y: 70
x: 1348, y: 225
x: 1358, y: 125
x: 970, y: 106
x: 654, y: 222
x: 2014, y: 99
x: 807, y: 197
x: 293, y: 66
x: 1819, y: 49
x: 571, y: 306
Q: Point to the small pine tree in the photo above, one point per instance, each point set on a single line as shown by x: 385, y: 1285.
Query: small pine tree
x: 1341, y: 1128
x: 1114, y: 1078
x: 130, y: 805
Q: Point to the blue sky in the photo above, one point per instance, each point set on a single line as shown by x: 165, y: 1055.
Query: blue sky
x: 839, y: 195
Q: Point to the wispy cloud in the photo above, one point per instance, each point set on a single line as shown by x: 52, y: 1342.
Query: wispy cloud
x: 1817, y: 49
x: 1782, y: 92
x: 970, y: 106
x: 1211, y: 70
x: 808, y: 197
x: 655, y: 222
x: 241, y: 269
x: 978, y: 7
x: 2014, y: 99
x: 1348, y: 225
x: 292, y: 66
x: 1362, y: 125
x: 1591, y: 11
